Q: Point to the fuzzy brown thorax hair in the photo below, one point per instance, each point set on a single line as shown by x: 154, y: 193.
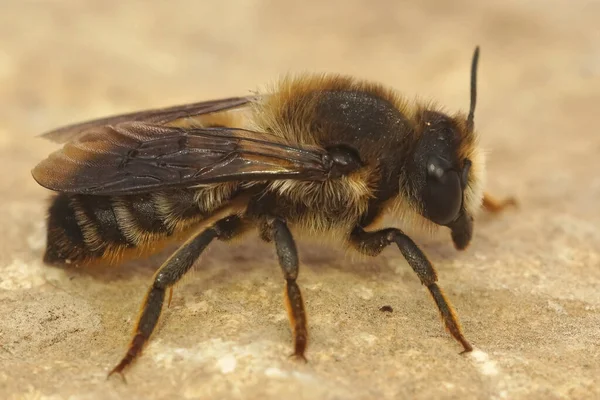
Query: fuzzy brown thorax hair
x: 393, y: 137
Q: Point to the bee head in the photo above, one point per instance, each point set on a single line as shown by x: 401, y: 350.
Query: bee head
x: 447, y: 169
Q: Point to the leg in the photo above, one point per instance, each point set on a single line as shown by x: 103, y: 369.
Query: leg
x: 167, y: 275
x: 288, y: 260
x: 372, y: 243
x: 495, y: 206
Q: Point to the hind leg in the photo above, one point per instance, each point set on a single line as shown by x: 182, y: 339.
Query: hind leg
x: 168, y: 275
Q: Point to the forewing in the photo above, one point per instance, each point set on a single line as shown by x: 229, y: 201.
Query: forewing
x: 155, y: 117
x: 139, y: 157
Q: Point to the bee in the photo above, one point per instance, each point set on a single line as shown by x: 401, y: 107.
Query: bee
x: 320, y: 155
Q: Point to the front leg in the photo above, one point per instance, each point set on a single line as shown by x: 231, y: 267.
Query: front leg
x: 372, y: 243
x: 495, y: 206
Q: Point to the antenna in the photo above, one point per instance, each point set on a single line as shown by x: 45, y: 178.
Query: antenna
x: 470, y: 122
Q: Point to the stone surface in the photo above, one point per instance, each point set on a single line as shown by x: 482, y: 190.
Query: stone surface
x: 527, y: 290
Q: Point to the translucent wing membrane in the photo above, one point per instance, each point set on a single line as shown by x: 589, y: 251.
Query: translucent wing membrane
x: 156, y: 117
x: 138, y: 157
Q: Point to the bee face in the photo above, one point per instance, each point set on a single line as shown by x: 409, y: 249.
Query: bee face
x: 440, y: 173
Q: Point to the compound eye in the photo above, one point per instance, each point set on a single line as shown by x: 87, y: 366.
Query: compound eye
x: 442, y: 194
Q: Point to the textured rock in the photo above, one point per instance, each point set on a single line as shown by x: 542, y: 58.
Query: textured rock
x: 527, y: 290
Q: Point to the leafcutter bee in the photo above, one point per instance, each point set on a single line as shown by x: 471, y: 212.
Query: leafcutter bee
x: 324, y: 155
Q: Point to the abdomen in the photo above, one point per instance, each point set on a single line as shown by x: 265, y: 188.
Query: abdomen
x: 84, y: 228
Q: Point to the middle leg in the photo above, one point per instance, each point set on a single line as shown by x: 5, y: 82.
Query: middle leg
x: 277, y: 231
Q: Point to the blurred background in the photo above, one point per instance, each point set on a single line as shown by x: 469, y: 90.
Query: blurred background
x: 526, y: 291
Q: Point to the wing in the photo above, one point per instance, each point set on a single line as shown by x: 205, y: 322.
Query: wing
x: 136, y: 157
x: 157, y: 117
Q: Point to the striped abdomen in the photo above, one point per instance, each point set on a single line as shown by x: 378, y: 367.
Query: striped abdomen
x: 83, y: 228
